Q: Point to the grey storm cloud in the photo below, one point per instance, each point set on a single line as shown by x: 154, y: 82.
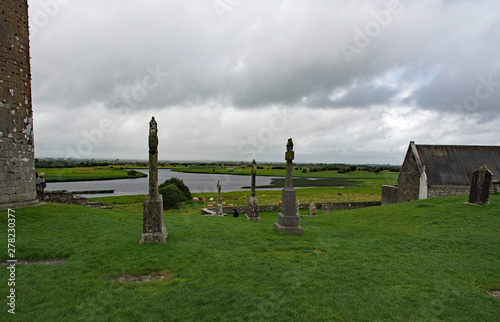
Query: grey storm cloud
x: 235, y: 78
x: 258, y: 53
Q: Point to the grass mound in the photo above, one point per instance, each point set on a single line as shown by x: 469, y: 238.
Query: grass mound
x: 396, y: 262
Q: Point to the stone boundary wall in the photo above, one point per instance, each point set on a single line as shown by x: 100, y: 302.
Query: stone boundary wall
x: 322, y: 206
x: 389, y: 195
x: 64, y: 197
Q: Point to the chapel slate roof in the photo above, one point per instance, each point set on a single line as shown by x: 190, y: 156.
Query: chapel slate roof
x: 455, y: 164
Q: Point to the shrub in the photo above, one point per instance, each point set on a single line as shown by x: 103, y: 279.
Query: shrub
x: 132, y: 173
x: 171, y: 195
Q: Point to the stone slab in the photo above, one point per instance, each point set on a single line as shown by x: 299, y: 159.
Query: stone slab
x: 252, y: 218
x: 288, y: 230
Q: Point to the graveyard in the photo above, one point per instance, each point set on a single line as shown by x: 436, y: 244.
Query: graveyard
x: 338, y: 242
x: 422, y: 260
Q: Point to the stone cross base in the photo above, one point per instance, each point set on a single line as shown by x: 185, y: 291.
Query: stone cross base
x: 147, y: 238
x: 288, y: 225
x: 219, y: 211
x: 252, y: 209
x: 153, y: 229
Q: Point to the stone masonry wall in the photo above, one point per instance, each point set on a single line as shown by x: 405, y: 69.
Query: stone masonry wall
x: 17, y: 174
x: 444, y: 191
x: 409, y: 180
x: 322, y: 206
x: 389, y: 194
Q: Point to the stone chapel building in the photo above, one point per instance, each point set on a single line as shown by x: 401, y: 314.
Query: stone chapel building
x: 440, y: 170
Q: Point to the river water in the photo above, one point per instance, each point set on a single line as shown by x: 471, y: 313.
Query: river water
x: 197, y: 182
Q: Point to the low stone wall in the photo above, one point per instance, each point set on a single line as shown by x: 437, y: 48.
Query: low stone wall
x: 347, y: 205
x: 322, y: 206
x: 63, y: 196
x: 445, y: 191
x: 389, y: 195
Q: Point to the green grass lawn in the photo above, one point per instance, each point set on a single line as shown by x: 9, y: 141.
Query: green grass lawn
x: 87, y: 174
x: 396, y: 262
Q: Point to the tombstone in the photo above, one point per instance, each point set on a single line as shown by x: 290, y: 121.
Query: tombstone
x: 481, y: 186
x: 253, y: 203
x: 219, y: 204
x: 312, y: 209
x: 288, y: 218
x: 153, y: 229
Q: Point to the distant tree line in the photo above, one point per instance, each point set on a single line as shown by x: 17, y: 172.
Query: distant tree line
x: 304, y: 167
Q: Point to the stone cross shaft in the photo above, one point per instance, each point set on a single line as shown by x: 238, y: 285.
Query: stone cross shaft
x: 153, y: 228
x: 219, y: 186
x: 289, y: 155
x: 153, y: 159
x: 254, y: 172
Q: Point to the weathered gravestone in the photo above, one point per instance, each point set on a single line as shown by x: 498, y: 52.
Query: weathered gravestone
x: 153, y: 229
x: 288, y: 218
x: 253, y: 203
x: 481, y: 186
x: 312, y: 209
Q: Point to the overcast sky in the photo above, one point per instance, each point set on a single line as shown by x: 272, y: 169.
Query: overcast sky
x: 349, y: 81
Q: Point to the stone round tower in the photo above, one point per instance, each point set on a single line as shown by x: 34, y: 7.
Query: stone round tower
x: 17, y: 173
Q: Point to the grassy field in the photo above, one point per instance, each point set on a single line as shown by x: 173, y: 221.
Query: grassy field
x: 269, y: 171
x: 265, y: 197
x: 88, y: 174
x: 424, y: 260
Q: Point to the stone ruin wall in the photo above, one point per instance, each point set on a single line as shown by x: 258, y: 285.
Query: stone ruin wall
x: 17, y: 174
x: 409, y: 180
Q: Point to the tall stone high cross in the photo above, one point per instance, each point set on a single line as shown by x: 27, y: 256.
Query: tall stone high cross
x: 253, y: 203
x: 254, y: 173
x: 288, y: 218
x: 153, y: 228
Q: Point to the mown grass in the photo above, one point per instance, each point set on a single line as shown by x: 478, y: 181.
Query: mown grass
x: 397, y: 262
x: 87, y: 174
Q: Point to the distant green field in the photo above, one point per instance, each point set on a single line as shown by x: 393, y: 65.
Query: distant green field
x: 429, y: 260
x: 87, y: 174
x: 269, y: 171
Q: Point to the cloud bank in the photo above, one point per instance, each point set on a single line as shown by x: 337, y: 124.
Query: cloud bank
x: 228, y: 79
